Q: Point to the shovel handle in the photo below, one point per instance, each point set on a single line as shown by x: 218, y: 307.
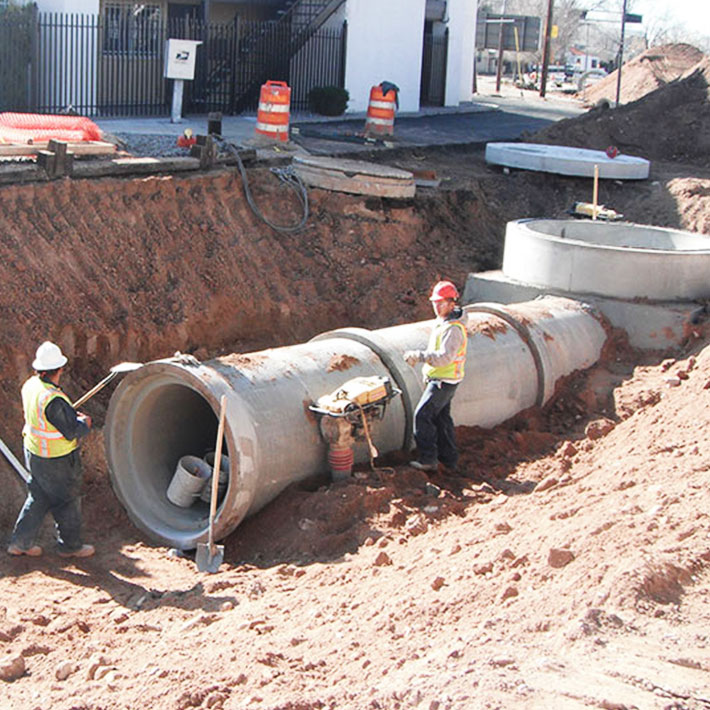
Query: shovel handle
x: 21, y: 470
x: 216, y: 469
x: 94, y: 390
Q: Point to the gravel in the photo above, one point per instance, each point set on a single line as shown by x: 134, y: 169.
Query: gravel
x: 143, y: 145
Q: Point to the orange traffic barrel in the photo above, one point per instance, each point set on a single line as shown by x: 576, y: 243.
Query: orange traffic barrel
x: 273, y: 115
x: 380, y: 112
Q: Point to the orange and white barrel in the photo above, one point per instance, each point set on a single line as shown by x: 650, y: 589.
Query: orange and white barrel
x: 274, y: 106
x: 380, y: 112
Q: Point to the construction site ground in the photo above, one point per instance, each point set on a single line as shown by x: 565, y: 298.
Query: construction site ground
x: 566, y: 565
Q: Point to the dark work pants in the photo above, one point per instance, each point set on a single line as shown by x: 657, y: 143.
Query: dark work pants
x: 55, y: 486
x: 433, y: 425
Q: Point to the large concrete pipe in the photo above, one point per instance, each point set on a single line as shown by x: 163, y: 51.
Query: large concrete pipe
x: 167, y: 409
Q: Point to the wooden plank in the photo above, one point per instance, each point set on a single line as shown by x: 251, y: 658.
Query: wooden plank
x: 134, y: 166
x: 84, y: 148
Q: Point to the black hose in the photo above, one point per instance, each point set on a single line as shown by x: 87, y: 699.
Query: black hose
x: 286, y: 175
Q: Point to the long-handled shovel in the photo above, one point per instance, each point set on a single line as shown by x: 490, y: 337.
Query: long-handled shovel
x: 113, y: 372
x: 21, y: 470
x: 209, y: 556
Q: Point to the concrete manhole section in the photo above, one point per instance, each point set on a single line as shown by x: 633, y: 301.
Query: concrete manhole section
x: 616, y: 260
x: 354, y: 176
x: 566, y: 160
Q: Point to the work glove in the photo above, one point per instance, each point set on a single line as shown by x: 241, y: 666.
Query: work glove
x: 411, y: 357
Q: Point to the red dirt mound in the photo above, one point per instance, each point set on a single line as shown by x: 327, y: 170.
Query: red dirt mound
x: 671, y: 123
x: 645, y: 73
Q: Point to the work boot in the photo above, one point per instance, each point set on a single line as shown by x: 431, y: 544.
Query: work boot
x: 16, y: 551
x: 83, y: 551
x: 423, y: 466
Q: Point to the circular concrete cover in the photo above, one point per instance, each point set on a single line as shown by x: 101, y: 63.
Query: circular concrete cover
x: 354, y: 176
x: 565, y: 160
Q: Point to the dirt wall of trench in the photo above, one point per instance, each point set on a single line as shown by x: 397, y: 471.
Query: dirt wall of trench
x: 137, y: 269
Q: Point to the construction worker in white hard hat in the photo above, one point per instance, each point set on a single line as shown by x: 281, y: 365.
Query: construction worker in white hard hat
x: 444, y: 360
x: 51, y: 438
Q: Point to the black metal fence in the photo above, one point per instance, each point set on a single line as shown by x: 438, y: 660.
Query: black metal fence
x: 113, y: 64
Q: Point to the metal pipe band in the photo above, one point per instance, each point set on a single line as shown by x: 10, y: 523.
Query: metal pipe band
x: 403, y: 375
x: 168, y: 408
x: 497, y: 310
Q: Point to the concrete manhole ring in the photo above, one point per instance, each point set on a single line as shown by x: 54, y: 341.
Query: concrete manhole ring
x: 354, y: 176
x: 619, y: 260
x: 566, y: 160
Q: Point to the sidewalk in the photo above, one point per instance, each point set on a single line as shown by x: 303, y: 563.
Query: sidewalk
x: 490, y: 116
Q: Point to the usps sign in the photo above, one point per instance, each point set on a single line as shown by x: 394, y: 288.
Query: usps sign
x: 180, y: 58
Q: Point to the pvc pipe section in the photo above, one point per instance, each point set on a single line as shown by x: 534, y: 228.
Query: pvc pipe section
x: 619, y: 260
x: 168, y: 408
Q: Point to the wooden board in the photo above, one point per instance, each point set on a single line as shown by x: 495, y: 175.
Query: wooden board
x: 83, y: 148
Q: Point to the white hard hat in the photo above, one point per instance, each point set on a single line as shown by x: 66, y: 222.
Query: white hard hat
x: 48, y: 357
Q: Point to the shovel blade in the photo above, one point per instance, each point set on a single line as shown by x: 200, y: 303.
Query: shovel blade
x: 209, y: 560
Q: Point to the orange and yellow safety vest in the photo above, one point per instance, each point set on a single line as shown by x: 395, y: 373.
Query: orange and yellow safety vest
x: 454, y: 371
x: 41, y: 437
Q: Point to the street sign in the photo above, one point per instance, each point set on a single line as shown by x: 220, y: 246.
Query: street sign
x: 488, y: 32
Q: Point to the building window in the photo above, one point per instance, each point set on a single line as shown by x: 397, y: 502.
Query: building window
x: 131, y: 29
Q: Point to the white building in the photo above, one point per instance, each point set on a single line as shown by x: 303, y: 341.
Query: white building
x: 580, y: 61
x: 425, y: 47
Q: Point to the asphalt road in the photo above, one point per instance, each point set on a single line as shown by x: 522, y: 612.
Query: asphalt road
x: 505, y: 120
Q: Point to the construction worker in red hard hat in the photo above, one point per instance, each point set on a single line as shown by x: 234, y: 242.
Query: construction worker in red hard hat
x: 50, y: 436
x: 444, y: 361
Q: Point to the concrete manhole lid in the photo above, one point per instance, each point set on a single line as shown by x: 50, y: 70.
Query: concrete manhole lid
x: 354, y: 176
x: 566, y: 160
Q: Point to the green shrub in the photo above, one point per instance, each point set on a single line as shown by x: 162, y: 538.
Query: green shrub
x: 328, y: 100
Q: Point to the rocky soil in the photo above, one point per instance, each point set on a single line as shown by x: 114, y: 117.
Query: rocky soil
x: 567, y: 564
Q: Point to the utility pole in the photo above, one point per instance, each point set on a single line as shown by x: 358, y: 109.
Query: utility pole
x: 546, y: 48
x: 621, y: 55
x: 499, y: 69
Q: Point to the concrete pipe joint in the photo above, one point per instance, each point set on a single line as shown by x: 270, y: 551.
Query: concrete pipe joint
x: 168, y: 409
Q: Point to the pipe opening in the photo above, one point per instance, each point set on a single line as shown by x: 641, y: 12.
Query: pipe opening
x: 163, y: 421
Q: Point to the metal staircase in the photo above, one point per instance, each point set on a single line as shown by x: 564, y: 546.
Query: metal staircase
x: 298, y: 21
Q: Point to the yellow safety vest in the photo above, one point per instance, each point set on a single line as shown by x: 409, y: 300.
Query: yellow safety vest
x: 42, y: 438
x: 455, y: 369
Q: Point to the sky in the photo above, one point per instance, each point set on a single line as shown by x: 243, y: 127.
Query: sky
x: 693, y: 14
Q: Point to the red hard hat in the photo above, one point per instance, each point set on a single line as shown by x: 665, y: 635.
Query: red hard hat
x: 612, y: 151
x: 444, y: 290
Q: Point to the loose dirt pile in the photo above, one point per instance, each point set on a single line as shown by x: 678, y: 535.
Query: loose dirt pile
x: 645, y: 73
x: 671, y: 123
x: 566, y: 565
